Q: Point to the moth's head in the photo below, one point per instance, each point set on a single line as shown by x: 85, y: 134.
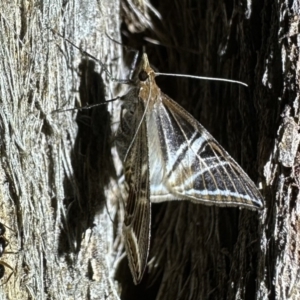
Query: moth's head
x: 143, y: 70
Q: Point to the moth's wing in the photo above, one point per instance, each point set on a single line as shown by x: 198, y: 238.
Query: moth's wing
x: 193, y: 165
x: 136, y: 229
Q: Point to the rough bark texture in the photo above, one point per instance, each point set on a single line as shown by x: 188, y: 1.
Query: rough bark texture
x: 60, y: 192
x: 202, y: 252
x: 53, y: 174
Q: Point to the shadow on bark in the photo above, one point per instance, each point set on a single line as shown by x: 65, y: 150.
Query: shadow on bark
x: 91, y: 157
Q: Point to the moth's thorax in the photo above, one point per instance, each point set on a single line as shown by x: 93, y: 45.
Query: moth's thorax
x: 149, y: 91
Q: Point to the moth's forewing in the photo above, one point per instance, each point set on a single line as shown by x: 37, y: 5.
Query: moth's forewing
x: 136, y: 229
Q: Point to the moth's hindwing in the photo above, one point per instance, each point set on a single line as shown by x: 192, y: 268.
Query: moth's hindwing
x: 195, y: 166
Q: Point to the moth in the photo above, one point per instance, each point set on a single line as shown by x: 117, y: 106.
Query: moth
x: 168, y: 155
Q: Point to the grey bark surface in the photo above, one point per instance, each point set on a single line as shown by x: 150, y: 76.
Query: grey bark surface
x: 61, y: 232
x: 62, y: 195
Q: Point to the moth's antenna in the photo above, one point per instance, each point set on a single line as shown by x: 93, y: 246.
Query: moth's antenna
x: 103, y: 66
x: 203, y: 77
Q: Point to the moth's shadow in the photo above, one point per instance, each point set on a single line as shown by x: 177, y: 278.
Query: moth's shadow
x: 91, y: 160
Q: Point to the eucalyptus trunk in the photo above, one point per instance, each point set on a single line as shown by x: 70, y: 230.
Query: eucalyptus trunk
x: 62, y: 190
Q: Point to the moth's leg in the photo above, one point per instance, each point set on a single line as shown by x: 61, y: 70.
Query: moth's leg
x: 3, y: 244
x: 133, y: 64
x: 2, y: 229
x: 2, y: 271
x: 121, y: 117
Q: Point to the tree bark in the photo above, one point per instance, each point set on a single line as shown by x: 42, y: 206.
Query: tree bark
x: 62, y: 191
x: 61, y: 232
x: 200, y: 252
